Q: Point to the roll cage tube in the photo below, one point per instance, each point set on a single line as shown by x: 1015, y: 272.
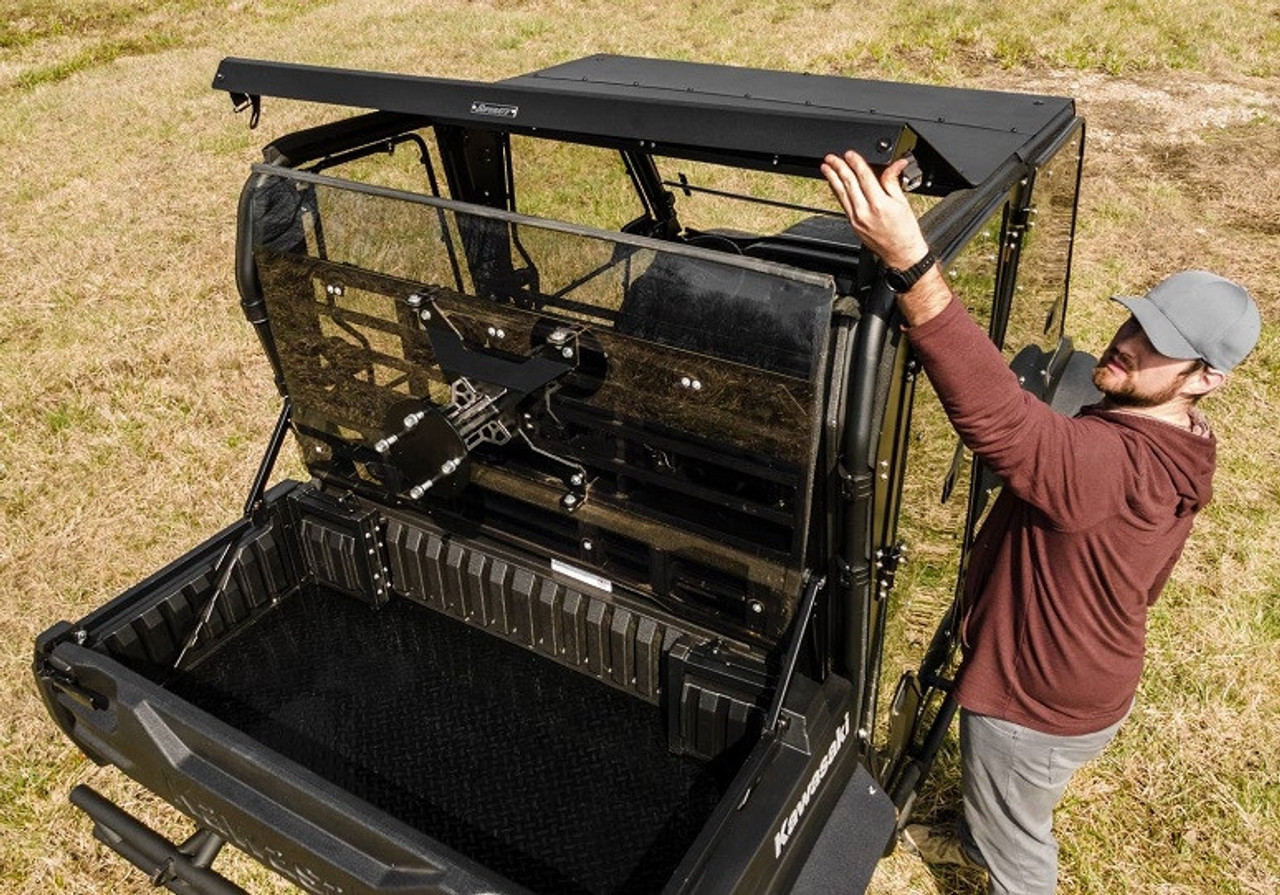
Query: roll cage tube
x: 853, y: 563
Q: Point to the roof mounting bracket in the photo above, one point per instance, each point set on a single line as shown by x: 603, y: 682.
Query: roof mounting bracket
x: 253, y: 102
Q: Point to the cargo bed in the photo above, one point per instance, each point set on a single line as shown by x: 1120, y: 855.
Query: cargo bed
x: 537, y: 772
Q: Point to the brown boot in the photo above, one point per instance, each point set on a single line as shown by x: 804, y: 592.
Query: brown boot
x: 937, y: 845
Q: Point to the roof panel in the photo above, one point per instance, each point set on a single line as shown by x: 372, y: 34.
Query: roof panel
x: 739, y: 115
x: 973, y: 130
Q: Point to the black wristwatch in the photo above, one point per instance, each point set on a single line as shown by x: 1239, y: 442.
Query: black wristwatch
x: 902, y: 280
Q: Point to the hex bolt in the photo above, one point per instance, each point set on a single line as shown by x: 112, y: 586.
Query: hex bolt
x: 566, y: 351
x: 686, y: 381
x: 414, y: 300
x: 576, y: 479
x: 448, y: 466
x: 756, y: 606
x: 420, y: 489
x: 697, y: 385
x: 424, y: 315
x: 570, y: 500
x: 81, y: 636
x: 587, y: 545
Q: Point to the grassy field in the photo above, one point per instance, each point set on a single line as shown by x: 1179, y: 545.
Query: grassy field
x: 134, y: 400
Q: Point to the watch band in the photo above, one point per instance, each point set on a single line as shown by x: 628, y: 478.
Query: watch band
x: 902, y: 280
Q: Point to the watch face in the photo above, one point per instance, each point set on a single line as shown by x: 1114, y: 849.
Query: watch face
x: 902, y: 280
x: 897, y: 280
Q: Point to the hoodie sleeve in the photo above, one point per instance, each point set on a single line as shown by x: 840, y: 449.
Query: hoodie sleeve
x: 1071, y: 470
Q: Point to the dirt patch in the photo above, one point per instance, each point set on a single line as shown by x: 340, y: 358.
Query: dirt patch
x: 1132, y: 113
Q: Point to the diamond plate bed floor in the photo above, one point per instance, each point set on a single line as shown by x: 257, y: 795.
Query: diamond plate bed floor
x: 542, y: 774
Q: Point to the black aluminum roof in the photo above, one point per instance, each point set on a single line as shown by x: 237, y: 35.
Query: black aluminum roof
x: 753, y: 117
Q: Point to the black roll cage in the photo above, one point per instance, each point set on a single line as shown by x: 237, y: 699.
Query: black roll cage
x: 972, y: 164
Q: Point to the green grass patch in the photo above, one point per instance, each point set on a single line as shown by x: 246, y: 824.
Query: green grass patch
x: 28, y: 21
x: 52, y: 41
x: 94, y: 56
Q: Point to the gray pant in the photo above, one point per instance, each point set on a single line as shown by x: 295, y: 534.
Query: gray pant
x: 1012, y: 777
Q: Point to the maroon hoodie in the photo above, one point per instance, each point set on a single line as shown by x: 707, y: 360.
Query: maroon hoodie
x: 1093, y: 516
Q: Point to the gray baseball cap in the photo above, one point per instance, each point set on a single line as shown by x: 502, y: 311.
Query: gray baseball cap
x: 1198, y: 315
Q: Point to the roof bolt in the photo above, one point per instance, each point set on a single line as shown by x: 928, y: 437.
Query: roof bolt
x: 414, y: 300
x: 587, y: 545
x: 570, y: 500
x: 576, y: 479
x: 566, y: 351
x: 756, y: 606
x: 424, y: 315
x: 697, y: 385
x: 420, y: 489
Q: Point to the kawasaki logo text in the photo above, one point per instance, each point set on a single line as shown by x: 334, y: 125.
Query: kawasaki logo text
x: 792, y: 820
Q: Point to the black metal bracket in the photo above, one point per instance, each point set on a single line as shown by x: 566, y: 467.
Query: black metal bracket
x: 253, y: 102
x: 887, y: 562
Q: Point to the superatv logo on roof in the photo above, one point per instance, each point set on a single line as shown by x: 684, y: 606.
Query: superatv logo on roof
x: 494, y: 110
x: 792, y: 820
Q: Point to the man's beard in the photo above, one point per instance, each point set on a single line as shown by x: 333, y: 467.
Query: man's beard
x: 1126, y: 394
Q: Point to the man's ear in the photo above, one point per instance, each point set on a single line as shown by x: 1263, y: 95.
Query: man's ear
x: 1203, y: 381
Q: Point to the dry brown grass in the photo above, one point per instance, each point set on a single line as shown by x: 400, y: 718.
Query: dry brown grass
x: 134, y: 400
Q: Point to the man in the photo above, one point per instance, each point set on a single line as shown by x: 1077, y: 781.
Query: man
x: 1092, y: 517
